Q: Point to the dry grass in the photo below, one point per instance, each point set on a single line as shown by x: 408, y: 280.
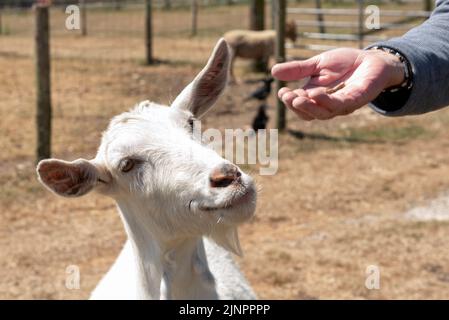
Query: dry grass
x: 334, y: 207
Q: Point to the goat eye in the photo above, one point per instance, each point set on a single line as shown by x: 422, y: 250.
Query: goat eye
x: 126, y: 165
x: 191, y: 122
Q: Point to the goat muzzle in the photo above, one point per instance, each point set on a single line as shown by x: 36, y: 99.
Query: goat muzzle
x: 224, y: 176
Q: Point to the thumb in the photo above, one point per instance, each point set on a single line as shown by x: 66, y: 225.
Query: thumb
x: 295, y: 70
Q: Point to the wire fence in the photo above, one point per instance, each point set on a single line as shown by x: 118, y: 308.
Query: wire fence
x: 106, y: 18
x: 116, y: 29
x: 101, y: 74
x: 120, y: 25
x: 325, y: 25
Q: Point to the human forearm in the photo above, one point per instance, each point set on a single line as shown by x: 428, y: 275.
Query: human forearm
x: 427, y: 49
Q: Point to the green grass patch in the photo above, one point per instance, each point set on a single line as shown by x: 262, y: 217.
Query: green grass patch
x: 388, y: 134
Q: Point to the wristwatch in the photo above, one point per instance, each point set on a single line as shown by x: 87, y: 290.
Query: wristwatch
x: 407, y: 84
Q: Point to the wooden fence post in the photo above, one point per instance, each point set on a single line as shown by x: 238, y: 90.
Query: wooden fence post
x: 194, y: 17
x: 280, y: 9
x: 148, y: 33
x: 257, y: 15
x: 428, y: 5
x: 83, y: 17
x: 1, y: 24
x: 257, y: 22
x: 361, y: 23
x: 43, y: 90
x: 319, y: 17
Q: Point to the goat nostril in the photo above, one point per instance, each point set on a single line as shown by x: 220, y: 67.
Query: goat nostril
x: 224, y: 176
x: 221, y: 182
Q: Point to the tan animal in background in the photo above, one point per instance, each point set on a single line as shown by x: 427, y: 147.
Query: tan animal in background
x: 257, y: 45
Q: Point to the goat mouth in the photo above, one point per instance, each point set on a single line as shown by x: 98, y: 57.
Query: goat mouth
x: 241, y: 198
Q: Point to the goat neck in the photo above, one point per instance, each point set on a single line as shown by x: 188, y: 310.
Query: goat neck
x: 166, y: 269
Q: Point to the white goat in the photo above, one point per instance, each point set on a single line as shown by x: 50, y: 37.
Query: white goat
x: 171, y: 191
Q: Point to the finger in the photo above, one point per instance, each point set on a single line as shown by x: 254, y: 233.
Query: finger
x: 283, y: 91
x: 311, y: 108
x: 295, y: 70
x: 300, y: 92
x: 299, y: 103
x: 334, y: 106
x: 321, y: 97
x: 302, y: 115
x: 317, y: 92
x: 288, y: 98
x: 341, y: 102
x: 345, y: 103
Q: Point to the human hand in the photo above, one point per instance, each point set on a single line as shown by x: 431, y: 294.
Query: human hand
x: 341, y: 81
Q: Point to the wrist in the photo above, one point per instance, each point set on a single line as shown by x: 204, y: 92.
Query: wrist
x: 395, y: 68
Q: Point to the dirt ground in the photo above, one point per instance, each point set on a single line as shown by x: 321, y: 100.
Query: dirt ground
x: 339, y: 202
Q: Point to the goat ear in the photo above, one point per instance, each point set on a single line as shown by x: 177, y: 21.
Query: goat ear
x: 228, y: 238
x: 204, y: 90
x: 68, y: 179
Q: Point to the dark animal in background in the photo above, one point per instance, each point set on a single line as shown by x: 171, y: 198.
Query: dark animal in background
x: 262, y: 92
x: 261, y: 119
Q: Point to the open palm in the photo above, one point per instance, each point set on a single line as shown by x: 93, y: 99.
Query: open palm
x: 341, y: 81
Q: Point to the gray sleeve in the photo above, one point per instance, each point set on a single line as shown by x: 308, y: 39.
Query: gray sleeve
x: 427, y: 49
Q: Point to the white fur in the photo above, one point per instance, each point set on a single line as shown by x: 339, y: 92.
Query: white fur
x: 165, y: 199
x: 229, y: 281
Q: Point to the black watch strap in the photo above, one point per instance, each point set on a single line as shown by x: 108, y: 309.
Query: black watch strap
x: 407, y: 84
